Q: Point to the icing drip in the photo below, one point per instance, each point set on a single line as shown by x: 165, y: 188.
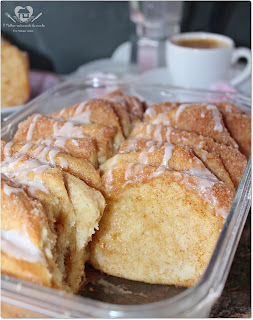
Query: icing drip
x: 162, y: 118
x: 68, y: 129
x: 158, y: 133
x: 167, y: 154
x: 7, y: 149
x: 216, y: 117
x: 180, y: 109
x: 63, y: 163
x: 168, y: 133
x: 31, y: 127
x: 8, y: 190
x: 20, y: 246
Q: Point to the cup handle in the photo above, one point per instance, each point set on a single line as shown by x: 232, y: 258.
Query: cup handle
x: 245, y: 73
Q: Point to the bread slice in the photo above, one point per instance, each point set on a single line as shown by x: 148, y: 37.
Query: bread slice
x: 201, y: 119
x: 27, y: 243
x: 80, y: 168
x: 93, y: 111
x: 84, y: 148
x: 178, y: 158
x: 38, y: 126
x: 234, y: 161
x: 211, y: 161
x: 159, y: 226
x: 80, y: 208
x: 223, y: 106
x: 15, y: 87
x: 133, y: 104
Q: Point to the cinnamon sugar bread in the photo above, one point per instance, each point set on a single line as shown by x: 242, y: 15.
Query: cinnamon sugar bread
x: 38, y: 126
x: 159, y: 226
x: 73, y: 208
x: 15, y: 88
x: 233, y: 160
x: 167, y: 188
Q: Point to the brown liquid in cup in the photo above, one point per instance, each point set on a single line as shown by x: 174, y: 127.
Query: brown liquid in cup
x: 200, y: 43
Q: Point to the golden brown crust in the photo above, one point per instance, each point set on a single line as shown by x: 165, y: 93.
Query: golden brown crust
x: 212, y: 161
x: 239, y: 126
x: 15, y: 87
x: 178, y: 158
x: 84, y: 148
x: 200, y: 119
x: 80, y: 168
x: 234, y: 161
x: 38, y: 126
x: 93, y: 111
x: 155, y: 109
x: 124, y: 117
x: 131, y: 103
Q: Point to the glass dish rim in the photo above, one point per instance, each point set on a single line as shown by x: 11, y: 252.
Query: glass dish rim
x: 187, y: 296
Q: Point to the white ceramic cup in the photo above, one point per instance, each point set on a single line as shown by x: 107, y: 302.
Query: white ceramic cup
x: 202, y: 67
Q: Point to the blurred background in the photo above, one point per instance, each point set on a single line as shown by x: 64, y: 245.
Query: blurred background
x: 77, y: 32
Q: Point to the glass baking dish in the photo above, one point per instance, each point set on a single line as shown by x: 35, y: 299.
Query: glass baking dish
x: 111, y: 297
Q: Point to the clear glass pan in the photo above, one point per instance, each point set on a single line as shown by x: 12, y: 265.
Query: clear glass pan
x: 111, y: 297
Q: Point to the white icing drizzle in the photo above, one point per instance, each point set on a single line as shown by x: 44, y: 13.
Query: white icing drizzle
x: 128, y: 171
x: 167, y: 154
x: 31, y: 127
x: 168, y: 133
x: 158, y: 172
x: 26, y: 147
x: 68, y: 129
x: 202, y: 114
x: 20, y: 246
x: 180, y: 109
x: 150, y: 112
x: 216, y: 117
x: 7, y: 149
x: 63, y: 163
x: 162, y: 118
x: 8, y: 190
x: 149, y: 128
x: 158, y: 133
x: 143, y: 157
x: 150, y: 143
x: 79, y: 109
x: 52, y: 153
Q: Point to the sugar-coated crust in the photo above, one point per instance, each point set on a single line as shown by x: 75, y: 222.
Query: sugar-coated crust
x: 179, y: 158
x: 131, y: 103
x: 136, y: 229
x: 81, y: 168
x: 93, y: 111
x: 239, y: 126
x: 211, y: 160
x: 38, y: 126
x: 84, y: 148
x: 15, y: 87
x: 201, y: 119
x: 19, y: 212
x: 234, y: 161
x: 155, y: 109
x: 124, y: 117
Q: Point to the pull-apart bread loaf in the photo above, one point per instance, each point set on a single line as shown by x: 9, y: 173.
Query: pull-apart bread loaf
x: 74, y: 190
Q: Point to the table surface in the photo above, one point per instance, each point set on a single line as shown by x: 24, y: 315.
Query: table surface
x: 235, y: 301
